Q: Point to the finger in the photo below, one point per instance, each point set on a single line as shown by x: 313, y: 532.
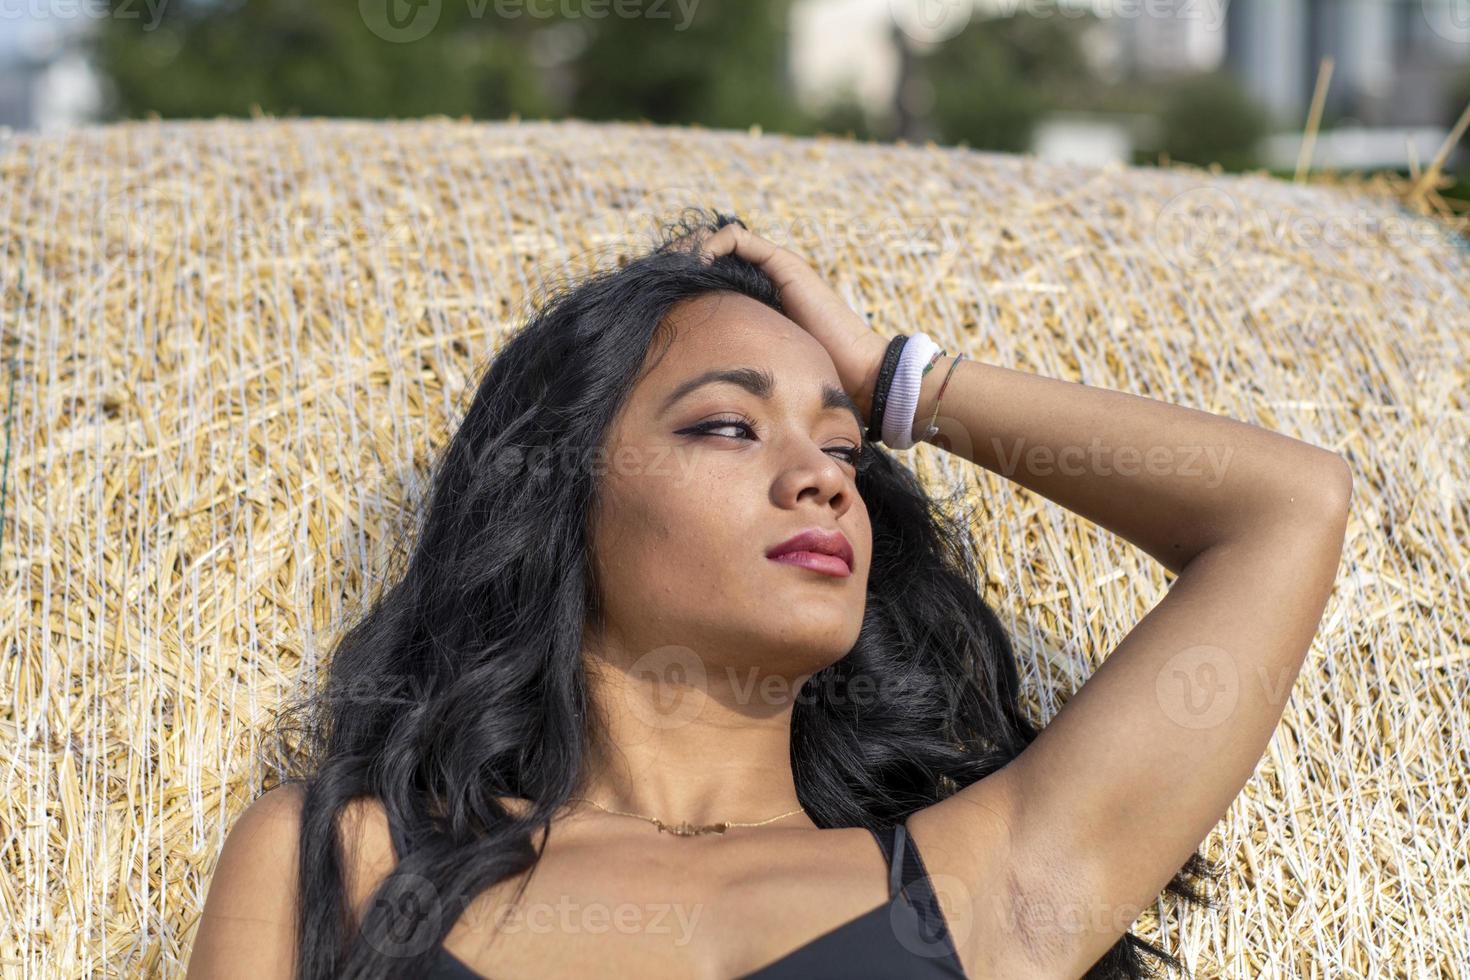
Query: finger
x: 720, y: 243
x: 782, y: 265
x: 741, y: 241
x: 750, y: 246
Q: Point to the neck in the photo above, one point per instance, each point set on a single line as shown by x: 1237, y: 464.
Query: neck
x: 703, y: 745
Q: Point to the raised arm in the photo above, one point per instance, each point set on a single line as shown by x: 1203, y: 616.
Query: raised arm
x: 1062, y: 849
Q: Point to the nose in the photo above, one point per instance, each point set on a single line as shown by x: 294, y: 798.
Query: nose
x: 814, y: 474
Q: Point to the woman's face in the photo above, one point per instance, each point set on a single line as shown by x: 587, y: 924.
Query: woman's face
x: 687, y: 519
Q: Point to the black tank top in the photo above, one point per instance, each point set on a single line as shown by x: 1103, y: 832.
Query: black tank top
x: 906, y: 938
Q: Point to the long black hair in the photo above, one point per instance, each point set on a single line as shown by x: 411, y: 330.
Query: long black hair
x: 463, y: 681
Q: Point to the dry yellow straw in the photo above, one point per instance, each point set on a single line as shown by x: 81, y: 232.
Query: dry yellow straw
x: 1314, y: 118
x: 1432, y: 175
x: 237, y: 343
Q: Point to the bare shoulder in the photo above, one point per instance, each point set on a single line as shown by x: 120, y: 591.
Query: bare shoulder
x: 248, y: 923
x: 248, y: 927
x: 367, y: 847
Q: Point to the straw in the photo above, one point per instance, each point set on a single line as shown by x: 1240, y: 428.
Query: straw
x: 1314, y: 118
x: 237, y: 344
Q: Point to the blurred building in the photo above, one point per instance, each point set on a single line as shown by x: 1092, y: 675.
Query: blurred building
x: 1392, y: 60
x: 45, y: 80
x: 1395, y: 63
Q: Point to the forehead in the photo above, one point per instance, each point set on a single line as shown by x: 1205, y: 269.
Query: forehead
x: 728, y: 329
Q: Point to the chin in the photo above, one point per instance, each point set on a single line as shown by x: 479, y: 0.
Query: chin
x: 819, y: 651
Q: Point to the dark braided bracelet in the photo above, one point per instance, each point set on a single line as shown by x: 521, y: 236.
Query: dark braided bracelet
x: 881, y: 386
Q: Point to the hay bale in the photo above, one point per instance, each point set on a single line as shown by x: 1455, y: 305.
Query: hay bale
x: 234, y: 346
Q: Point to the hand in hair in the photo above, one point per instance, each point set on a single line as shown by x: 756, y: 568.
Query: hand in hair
x: 855, y: 348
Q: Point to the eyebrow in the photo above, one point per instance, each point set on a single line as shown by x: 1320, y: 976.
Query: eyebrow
x: 761, y: 384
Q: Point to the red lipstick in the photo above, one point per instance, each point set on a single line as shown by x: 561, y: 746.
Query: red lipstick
x: 822, y: 551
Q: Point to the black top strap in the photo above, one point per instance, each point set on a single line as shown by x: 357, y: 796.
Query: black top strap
x: 900, y: 870
x: 886, y: 838
x: 907, y: 873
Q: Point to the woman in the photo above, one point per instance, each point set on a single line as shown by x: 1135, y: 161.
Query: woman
x: 765, y: 755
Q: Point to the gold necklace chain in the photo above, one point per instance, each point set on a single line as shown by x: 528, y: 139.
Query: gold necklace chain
x: 686, y: 829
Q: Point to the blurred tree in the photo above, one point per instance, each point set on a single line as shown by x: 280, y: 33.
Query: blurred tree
x: 1457, y: 99
x: 725, y: 68
x: 722, y: 66
x: 207, y: 57
x: 1208, y: 118
x: 996, y: 78
x: 843, y: 116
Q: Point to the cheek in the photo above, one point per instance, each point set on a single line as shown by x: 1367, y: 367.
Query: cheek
x: 678, y: 527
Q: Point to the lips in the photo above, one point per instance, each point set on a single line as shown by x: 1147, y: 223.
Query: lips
x: 817, y: 549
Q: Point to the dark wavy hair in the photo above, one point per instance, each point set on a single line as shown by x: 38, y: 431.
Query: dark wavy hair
x: 463, y: 681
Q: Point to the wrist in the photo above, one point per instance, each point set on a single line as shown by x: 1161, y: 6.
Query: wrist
x: 928, y: 392
x: 874, y: 347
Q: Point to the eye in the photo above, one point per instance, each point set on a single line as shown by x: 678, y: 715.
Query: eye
x: 709, y: 426
x: 857, y: 457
